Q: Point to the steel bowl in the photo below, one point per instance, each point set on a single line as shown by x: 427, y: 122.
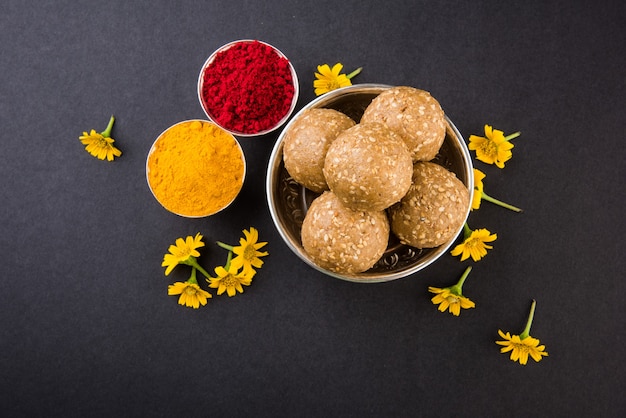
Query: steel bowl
x: 209, y: 62
x: 289, y: 201
x: 163, y: 202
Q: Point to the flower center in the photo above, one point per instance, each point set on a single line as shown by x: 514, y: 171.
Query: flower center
x: 190, y: 290
x: 249, y: 252
x: 522, y: 347
x: 333, y: 85
x: 102, y: 142
x: 489, y: 147
x: 452, y: 299
x: 184, y: 254
x: 229, y: 280
x: 474, y: 242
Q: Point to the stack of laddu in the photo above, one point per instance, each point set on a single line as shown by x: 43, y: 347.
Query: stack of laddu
x: 375, y: 177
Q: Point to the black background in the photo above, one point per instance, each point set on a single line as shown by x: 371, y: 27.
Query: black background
x: 88, y: 328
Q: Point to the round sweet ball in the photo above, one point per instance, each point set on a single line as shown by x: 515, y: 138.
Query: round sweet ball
x: 341, y: 239
x: 433, y: 210
x: 415, y: 115
x: 368, y: 167
x: 306, y: 143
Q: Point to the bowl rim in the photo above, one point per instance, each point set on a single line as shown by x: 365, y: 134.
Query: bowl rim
x: 294, y: 76
x: 273, y: 170
x: 152, y: 149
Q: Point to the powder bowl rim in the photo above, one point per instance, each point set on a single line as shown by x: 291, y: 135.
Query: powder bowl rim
x: 241, y: 153
x: 294, y: 100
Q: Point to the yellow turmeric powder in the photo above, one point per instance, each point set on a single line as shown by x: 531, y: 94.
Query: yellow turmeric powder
x: 195, y: 168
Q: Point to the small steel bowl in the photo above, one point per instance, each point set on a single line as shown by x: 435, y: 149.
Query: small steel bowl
x: 289, y: 201
x: 281, y: 122
x: 163, y: 201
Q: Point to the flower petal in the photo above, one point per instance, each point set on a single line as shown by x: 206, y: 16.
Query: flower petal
x: 336, y: 69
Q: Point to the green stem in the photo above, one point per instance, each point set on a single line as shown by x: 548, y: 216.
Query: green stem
x: 467, y: 231
x: 355, y: 72
x: 230, y: 257
x: 529, y: 322
x: 512, y: 136
x: 457, y: 289
x: 225, y: 246
x: 193, y: 278
x: 499, y: 202
x: 107, y: 132
x: 191, y: 261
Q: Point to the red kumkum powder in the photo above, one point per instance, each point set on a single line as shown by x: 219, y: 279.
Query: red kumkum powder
x: 248, y: 88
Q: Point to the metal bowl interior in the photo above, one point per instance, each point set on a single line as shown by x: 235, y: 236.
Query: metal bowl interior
x: 289, y: 201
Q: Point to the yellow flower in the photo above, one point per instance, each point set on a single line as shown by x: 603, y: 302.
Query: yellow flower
x: 100, y: 145
x: 523, y: 345
x: 452, y: 298
x: 474, y: 244
x: 328, y: 79
x: 190, y: 293
x: 479, y: 194
x: 478, y: 188
x: 247, y: 252
x: 183, y: 252
x: 229, y: 280
x: 494, y: 147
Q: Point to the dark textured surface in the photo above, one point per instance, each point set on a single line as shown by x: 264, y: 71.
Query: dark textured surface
x: 88, y: 328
